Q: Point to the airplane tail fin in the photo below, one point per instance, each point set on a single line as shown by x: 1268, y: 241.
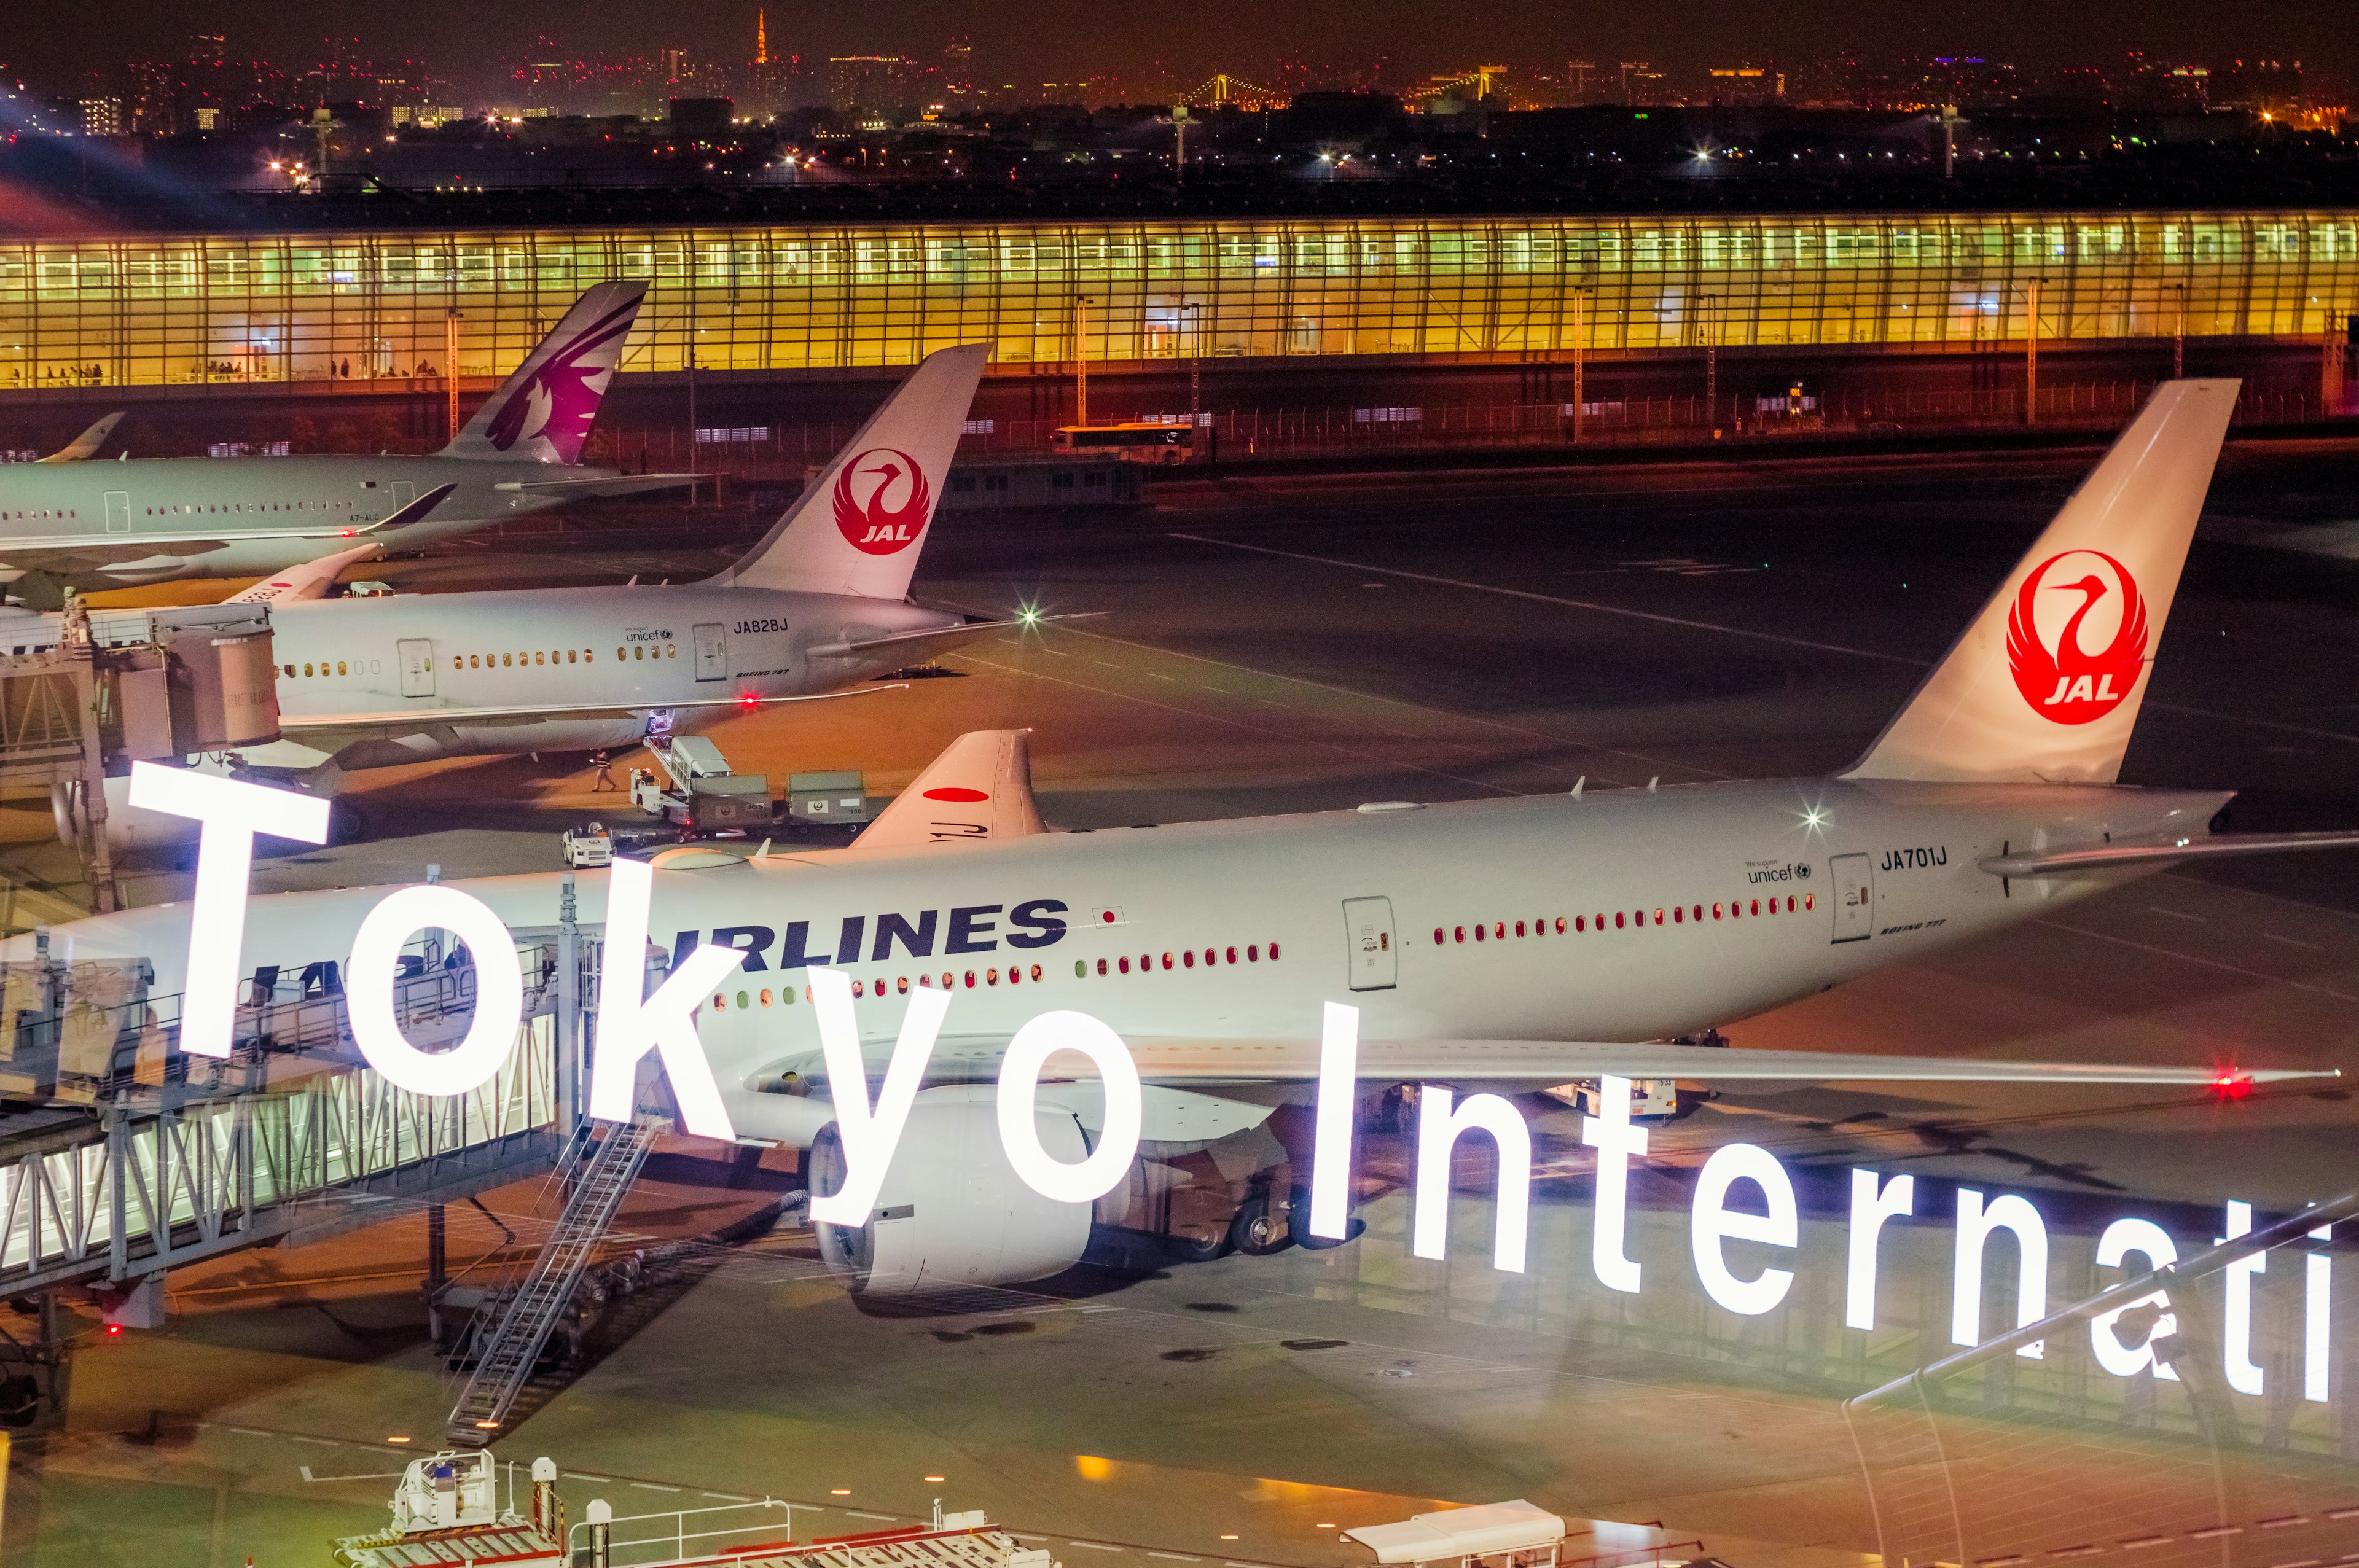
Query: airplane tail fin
x: 544, y: 411
x: 978, y: 790
x: 2045, y: 684
x: 857, y: 528
x: 84, y: 447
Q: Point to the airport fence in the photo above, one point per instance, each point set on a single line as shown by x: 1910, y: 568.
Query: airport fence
x: 769, y: 454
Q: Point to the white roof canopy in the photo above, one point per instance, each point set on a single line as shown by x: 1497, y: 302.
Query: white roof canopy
x: 1493, y: 1528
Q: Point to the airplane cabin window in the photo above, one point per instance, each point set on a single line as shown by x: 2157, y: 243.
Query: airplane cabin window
x: 1167, y: 960
x: 1437, y: 935
x: 1560, y: 925
x: 1618, y: 920
x: 1122, y: 965
x: 902, y: 984
x: 1480, y: 933
x: 1678, y: 915
x: 1188, y: 958
x: 1715, y: 911
x: 1658, y: 917
x: 1519, y: 928
x: 1273, y: 952
x: 1035, y: 973
x: 1233, y: 955
x: 1253, y: 953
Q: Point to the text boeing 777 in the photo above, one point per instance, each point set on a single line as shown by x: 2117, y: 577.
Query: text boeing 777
x: 1499, y: 942
x: 149, y: 520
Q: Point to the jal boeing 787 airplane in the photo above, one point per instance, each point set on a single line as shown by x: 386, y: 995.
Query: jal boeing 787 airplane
x: 147, y: 520
x: 817, y: 606
x: 1520, y: 942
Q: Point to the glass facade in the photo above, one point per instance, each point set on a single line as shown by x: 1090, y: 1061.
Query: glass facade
x: 164, y: 309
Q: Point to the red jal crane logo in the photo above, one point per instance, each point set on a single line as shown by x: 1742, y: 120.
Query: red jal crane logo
x: 865, y: 493
x: 2062, y: 679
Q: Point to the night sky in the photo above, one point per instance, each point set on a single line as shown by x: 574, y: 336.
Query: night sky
x: 1062, y: 38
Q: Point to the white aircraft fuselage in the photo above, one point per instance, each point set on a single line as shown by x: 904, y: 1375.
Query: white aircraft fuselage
x: 399, y: 664
x: 149, y: 520
x: 1626, y: 915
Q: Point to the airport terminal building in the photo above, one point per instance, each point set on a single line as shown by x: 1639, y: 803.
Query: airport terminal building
x: 198, y: 309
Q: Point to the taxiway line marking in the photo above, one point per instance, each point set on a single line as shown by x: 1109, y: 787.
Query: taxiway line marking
x: 372, y: 1475
x: 1096, y: 1545
x: 654, y: 1487
x: 1358, y: 695
x: 2278, y: 725
x: 1174, y: 1557
x: 728, y: 1496
x: 855, y: 1513
x: 2191, y: 959
x: 1240, y: 724
x: 1658, y: 618
x: 599, y: 1480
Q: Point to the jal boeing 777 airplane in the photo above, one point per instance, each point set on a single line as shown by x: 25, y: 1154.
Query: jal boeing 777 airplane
x: 1524, y: 942
x: 819, y: 605
x: 147, y: 520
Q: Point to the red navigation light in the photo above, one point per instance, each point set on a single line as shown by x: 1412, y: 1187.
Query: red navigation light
x: 749, y: 702
x: 2230, y: 1085
x: 114, y: 1330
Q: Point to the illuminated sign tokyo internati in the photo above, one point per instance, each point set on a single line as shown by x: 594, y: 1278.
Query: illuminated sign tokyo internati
x: 631, y: 1025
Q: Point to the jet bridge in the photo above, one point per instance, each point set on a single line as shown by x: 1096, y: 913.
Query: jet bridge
x: 122, y: 1157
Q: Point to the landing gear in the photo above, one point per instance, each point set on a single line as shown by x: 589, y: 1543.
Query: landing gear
x: 347, y: 823
x: 1260, y: 1228
x: 1298, y: 1205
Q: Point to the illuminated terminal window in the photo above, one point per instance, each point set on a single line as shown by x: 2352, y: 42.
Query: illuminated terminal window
x: 241, y: 309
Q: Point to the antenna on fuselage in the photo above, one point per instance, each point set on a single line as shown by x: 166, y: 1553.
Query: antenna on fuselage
x: 1579, y: 784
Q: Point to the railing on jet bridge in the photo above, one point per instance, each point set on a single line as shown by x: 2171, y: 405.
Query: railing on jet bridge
x: 190, y: 1151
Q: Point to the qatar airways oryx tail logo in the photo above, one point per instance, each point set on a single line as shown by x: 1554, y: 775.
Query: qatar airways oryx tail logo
x: 561, y: 399
x: 2077, y: 636
x: 882, y: 501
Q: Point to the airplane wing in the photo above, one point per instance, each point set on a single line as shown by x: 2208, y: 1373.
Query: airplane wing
x: 85, y: 446
x: 313, y: 579
x: 612, y: 485
x: 310, y: 581
x: 412, y: 718
x: 934, y: 638
x: 2108, y: 856
x: 1206, y: 1062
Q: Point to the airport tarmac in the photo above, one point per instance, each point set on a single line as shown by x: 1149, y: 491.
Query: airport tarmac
x: 1307, y: 643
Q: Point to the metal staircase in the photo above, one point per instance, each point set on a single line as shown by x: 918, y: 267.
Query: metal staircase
x: 512, y: 1347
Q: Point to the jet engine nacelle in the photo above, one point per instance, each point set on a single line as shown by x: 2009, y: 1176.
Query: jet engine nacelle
x: 952, y: 1211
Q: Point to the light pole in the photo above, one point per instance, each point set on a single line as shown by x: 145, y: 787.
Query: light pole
x: 1709, y: 304
x: 2178, y: 336
x: 450, y: 367
x: 1080, y: 359
x: 2031, y: 352
x: 1579, y: 336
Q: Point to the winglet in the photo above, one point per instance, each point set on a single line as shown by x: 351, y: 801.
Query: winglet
x: 978, y: 790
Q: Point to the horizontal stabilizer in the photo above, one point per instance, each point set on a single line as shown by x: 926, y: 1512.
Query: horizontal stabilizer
x: 2108, y: 857
x: 978, y: 790
x: 934, y: 639
x: 607, y: 484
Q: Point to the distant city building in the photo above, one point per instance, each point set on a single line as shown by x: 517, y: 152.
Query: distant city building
x: 864, y: 82
x: 154, y: 104
x: 101, y: 116
x: 1641, y: 82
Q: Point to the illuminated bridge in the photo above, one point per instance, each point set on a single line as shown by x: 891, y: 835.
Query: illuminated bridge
x: 195, y: 310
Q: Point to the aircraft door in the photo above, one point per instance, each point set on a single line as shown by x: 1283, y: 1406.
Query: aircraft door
x: 404, y: 492
x: 1854, y: 898
x: 712, y: 652
x: 1375, y: 958
x: 417, y: 665
x: 118, y: 511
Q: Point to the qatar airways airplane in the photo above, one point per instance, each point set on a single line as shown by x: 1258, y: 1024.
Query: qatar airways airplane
x: 1522, y: 942
x: 147, y: 520
x: 819, y: 606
